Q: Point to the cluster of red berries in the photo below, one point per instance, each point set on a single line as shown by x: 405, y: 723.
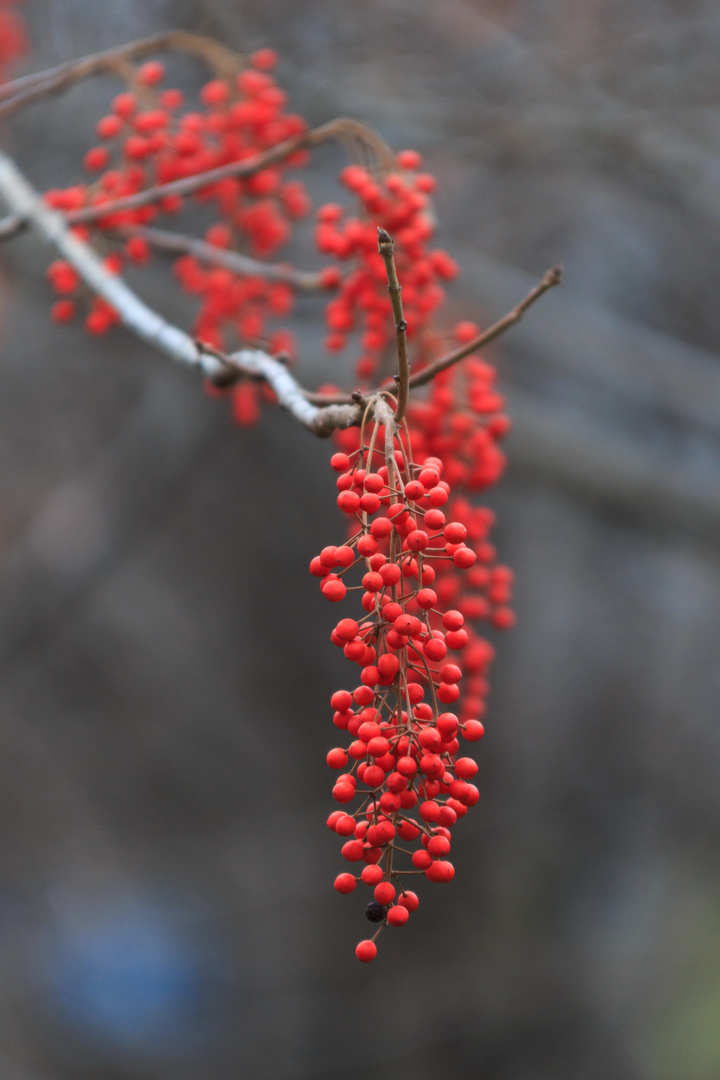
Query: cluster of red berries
x: 404, y: 763
x: 151, y: 137
x: 470, y: 460
x: 399, y: 202
x: 462, y: 421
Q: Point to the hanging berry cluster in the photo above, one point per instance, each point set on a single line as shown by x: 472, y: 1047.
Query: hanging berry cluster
x: 408, y: 461
x: 403, y: 771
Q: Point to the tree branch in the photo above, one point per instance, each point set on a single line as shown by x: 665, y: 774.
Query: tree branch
x: 151, y: 327
x: 386, y: 246
x: 342, y: 128
x: 29, y: 88
x: 304, y: 281
x: 552, y: 277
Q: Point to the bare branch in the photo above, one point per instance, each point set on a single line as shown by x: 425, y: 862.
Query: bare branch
x: 151, y: 327
x: 29, y: 88
x: 386, y: 246
x: 304, y: 281
x: 551, y: 278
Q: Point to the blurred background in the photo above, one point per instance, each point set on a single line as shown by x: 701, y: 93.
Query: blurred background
x: 166, y: 900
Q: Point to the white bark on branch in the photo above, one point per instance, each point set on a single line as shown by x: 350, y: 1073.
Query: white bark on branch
x: 23, y: 200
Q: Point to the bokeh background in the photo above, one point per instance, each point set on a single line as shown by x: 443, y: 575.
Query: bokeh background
x: 166, y: 901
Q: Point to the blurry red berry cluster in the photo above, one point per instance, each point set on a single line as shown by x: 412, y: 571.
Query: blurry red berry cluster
x: 152, y: 137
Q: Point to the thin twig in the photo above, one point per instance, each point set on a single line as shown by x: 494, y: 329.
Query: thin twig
x: 386, y: 246
x: 305, y: 281
x: 29, y: 88
x: 551, y: 278
x: 421, y: 378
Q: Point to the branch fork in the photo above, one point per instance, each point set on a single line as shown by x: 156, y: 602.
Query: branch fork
x: 320, y: 413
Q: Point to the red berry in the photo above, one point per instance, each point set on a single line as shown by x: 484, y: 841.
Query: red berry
x: 409, y: 159
x: 427, y: 598
x: 366, y: 951
x: 397, y: 915
x: 390, y: 573
x: 346, y: 630
x: 367, y: 545
x: 381, y: 528
x: 384, y: 892
x: 433, y: 520
x: 406, y: 766
x: 464, y: 558
x: 214, y: 93
x: 453, y: 620
x: 62, y: 311
x: 352, y: 850
x: 435, y: 649
x: 96, y: 158
x: 108, y: 127
x: 473, y: 730
x: 455, y: 532
x: 345, y: 825
x: 348, y: 501
x: 124, y: 105
x: 372, y: 874
x: 264, y: 59
x: 457, y: 639
x: 465, y: 768
x: 417, y: 540
x: 440, y: 871
x: 138, y: 249
x: 345, y: 883
x: 438, y: 846
x: 333, y: 590
x: 372, y: 582
x: 337, y: 758
x: 447, y: 725
x: 151, y: 73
